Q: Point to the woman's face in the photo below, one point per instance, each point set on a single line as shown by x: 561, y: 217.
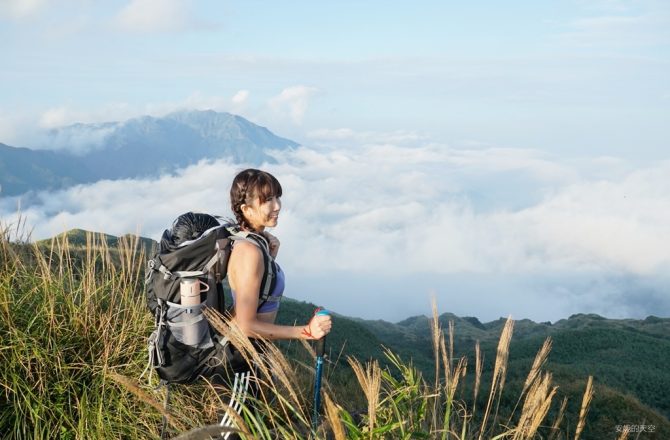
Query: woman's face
x: 262, y: 215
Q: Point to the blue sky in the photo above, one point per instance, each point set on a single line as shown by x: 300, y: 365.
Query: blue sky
x: 574, y: 77
x: 526, y: 141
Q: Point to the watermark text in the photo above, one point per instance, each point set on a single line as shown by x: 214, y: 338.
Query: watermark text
x: 635, y: 428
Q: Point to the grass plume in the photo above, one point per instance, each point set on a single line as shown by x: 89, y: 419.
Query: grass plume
x: 586, y: 401
x: 73, y: 329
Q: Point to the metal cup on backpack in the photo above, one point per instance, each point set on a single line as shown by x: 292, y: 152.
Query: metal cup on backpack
x: 189, y: 290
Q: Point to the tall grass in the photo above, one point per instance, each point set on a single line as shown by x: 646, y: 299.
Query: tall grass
x: 73, y: 331
x: 68, y: 317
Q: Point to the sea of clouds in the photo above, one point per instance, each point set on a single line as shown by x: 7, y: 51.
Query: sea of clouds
x: 375, y: 229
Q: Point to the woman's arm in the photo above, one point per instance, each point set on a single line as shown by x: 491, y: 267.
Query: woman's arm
x: 245, y: 271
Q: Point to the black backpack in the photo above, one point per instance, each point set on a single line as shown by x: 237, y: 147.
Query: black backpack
x: 183, y: 346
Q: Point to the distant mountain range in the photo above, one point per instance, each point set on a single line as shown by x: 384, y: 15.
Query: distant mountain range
x: 628, y: 359
x: 139, y: 147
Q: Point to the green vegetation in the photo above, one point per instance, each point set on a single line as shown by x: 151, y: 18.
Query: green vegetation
x: 73, y: 329
x: 62, y: 330
x: 628, y: 359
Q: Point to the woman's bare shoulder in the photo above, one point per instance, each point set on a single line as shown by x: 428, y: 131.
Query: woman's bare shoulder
x: 244, y: 250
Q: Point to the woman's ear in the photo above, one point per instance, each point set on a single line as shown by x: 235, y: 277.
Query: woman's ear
x: 247, y: 210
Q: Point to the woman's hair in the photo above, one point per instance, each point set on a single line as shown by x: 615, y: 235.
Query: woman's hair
x: 249, y: 185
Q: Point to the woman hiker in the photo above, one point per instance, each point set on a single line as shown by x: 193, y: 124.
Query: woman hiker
x: 255, y: 199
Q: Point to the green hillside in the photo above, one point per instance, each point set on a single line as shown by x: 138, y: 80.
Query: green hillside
x: 627, y: 357
x: 79, y: 238
x: 23, y: 170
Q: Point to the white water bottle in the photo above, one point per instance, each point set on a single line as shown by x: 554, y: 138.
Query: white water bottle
x: 190, y: 289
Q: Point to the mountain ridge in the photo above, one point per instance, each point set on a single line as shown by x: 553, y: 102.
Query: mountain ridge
x: 145, y: 146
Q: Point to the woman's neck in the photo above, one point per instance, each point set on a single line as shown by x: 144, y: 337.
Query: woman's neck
x: 254, y: 230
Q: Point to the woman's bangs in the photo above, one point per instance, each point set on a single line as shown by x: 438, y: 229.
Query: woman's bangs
x: 268, y: 186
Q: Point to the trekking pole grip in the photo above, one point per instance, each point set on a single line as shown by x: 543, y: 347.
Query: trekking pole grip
x: 320, y: 345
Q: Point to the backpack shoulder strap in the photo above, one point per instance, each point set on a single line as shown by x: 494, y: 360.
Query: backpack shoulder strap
x: 261, y: 242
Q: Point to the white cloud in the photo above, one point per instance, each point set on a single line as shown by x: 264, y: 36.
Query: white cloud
x: 426, y: 217
x: 240, y: 97
x: 337, y: 136
x: 79, y: 140
x: 20, y: 9
x: 619, y: 30
x: 63, y: 115
x: 618, y: 225
x: 609, y: 6
x: 121, y: 111
x: 197, y: 100
x: 119, y: 207
x: 53, y: 132
x: 240, y: 102
x: 146, y: 16
x: 391, y: 193
x: 200, y: 101
x: 55, y: 117
x: 19, y: 128
x: 292, y: 101
x: 8, y: 128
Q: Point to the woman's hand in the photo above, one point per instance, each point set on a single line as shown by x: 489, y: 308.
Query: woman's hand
x: 273, y: 242
x: 318, y: 327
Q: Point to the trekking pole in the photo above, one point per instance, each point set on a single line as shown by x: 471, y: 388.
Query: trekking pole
x: 320, y: 348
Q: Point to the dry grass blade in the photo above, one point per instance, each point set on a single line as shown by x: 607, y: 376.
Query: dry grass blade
x: 533, y: 374
x: 131, y: 386
x: 539, y: 361
x: 333, y: 417
x: 277, y: 375
x: 129, y: 253
x: 451, y: 340
x: 459, y: 371
x: 280, y: 375
x: 559, y: 418
x: 499, y: 370
x: 84, y: 319
x: 541, y: 413
x: 586, y: 401
x: 535, y: 408
x: 370, y: 380
x: 446, y: 361
x: 436, y: 333
x: 478, y: 373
